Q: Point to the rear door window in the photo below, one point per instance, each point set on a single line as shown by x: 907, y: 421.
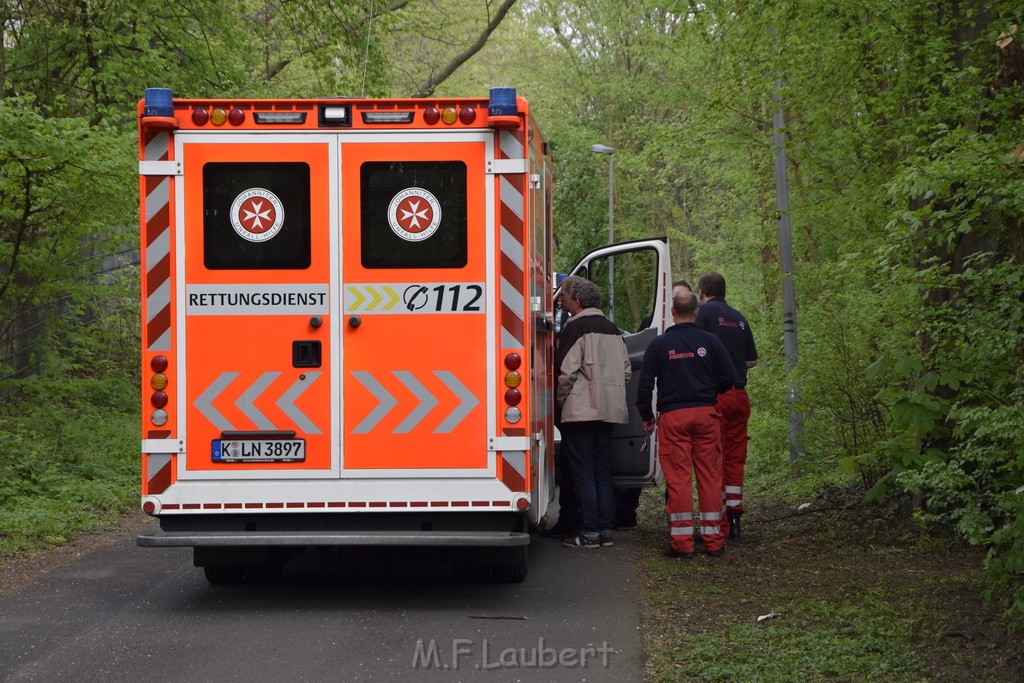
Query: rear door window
x: 256, y: 216
x: 413, y: 214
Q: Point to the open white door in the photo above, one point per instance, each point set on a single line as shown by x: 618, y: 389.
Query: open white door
x: 635, y: 279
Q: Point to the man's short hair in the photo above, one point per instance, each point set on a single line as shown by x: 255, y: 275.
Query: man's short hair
x: 684, y: 302
x: 583, y: 290
x: 681, y: 283
x: 712, y: 285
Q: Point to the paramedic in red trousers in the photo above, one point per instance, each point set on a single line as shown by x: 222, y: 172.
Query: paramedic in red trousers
x: 726, y: 323
x: 593, y: 369
x: 690, y: 367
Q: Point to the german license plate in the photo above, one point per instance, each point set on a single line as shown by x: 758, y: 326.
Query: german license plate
x: 259, y: 450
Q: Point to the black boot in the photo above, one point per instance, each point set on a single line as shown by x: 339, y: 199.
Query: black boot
x: 734, y: 524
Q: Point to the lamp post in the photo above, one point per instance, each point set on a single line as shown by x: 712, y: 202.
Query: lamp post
x: 610, y: 151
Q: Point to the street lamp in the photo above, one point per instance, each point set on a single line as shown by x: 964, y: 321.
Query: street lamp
x: 610, y: 151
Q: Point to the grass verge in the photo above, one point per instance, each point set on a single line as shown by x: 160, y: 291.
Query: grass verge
x: 822, y: 595
x: 64, y: 472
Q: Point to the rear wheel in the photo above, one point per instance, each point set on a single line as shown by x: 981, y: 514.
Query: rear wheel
x: 514, y: 569
x: 223, y: 575
x: 472, y: 572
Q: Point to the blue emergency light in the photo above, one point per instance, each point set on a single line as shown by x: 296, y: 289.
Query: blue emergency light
x: 503, y: 102
x: 158, y: 102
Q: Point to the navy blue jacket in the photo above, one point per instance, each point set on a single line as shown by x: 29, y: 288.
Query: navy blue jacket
x: 691, y: 368
x: 729, y: 325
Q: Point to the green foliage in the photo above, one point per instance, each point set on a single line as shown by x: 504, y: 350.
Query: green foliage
x: 980, y: 417
x: 68, y: 466
x: 62, y: 206
x: 94, y: 61
x: 1005, y: 560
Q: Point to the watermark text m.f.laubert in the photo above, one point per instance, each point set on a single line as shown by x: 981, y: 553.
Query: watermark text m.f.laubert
x: 485, y: 654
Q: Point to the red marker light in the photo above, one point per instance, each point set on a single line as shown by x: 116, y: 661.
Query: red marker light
x: 467, y: 115
x: 200, y: 116
x: 158, y: 363
x: 513, y: 361
x: 236, y: 117
x: 513, y: 397
x: 431, y: 116
x: 159, y: 399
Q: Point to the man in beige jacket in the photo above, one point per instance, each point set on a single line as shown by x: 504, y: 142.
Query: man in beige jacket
x: 593, y: 369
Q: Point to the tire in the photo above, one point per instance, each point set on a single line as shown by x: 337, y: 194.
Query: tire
x: 513, y: 571
x: 266, y: 573
x: 472, y: 572
x: 223, y: 575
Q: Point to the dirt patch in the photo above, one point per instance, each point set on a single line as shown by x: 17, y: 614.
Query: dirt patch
x: 838, y: 579
x: 22, y: 570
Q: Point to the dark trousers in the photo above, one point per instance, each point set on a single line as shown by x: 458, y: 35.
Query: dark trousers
x: 568, y: 504
x: 627, y: 500
x: 586, y: 446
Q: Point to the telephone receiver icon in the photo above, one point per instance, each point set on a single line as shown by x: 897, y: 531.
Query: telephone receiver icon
x: 412, y: 297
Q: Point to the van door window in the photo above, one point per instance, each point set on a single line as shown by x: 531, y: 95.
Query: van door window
x: 635, y: 286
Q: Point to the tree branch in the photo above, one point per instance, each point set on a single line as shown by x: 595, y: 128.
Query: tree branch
x: 277, y: 67
x: 426, y: 88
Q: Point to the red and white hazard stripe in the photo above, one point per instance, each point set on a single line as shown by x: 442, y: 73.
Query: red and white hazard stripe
x: 157, y: 236
x: 511, y: 193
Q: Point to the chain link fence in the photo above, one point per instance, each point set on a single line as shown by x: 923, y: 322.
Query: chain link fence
x: 23, y: 343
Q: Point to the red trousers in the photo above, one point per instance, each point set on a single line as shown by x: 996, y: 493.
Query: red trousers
x: 689, y: 441
x: 734, y: 407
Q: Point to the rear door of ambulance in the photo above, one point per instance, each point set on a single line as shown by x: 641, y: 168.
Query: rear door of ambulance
x: 416, y: 323
x: 255, y: 306
x: 337, y: 317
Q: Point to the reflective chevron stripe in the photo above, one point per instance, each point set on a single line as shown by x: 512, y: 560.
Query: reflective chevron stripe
x: 157, y: 235
x: 371, y: 298
x: 426, y: 401
x: 246, y: 402
x: 511, y: 192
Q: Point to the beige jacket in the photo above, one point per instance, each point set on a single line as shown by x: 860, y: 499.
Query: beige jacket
x: 593, y: 369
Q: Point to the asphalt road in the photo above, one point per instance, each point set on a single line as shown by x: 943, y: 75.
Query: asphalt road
x: 121, y: 612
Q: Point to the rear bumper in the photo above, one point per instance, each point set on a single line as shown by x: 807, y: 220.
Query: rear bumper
x: 451, y: 539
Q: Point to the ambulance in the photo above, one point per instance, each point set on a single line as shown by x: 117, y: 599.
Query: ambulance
x: 348, y: 328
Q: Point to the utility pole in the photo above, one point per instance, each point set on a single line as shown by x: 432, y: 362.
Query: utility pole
x: 789, y: 344
x: 610, y: 151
